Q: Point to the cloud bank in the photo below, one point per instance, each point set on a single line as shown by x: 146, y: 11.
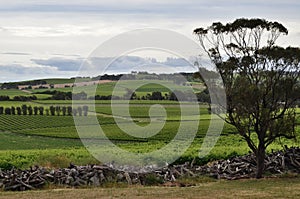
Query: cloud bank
x: 38, y: 36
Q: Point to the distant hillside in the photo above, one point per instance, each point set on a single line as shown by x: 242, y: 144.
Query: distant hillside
x: 52, y: 82
x: 15, y: 85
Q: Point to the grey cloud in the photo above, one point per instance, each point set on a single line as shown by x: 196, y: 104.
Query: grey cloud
x: 23, y: 70
x: 171, y: 8
x: 129, y: 63
x: 65, y: 55
x: 61, y: 64
x: 15, y: 72
x: 14, y: 53
x: 119, y: 65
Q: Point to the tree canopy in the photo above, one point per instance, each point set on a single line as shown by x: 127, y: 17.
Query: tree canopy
x: 261, y: 80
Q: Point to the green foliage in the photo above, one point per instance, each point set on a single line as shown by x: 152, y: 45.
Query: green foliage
x: 261, y: 79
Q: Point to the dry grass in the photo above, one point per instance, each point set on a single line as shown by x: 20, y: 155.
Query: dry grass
x: 264, y: 188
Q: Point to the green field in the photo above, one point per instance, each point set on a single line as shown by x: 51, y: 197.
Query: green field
x: 16, y: 92
x: 13, y: 92
x: 27, y: 140
x: 65, y: 80
x: 40, y: 134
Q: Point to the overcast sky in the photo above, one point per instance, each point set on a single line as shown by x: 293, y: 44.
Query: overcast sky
x: 43, y: 38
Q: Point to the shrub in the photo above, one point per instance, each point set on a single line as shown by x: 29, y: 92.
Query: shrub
x: 7, y: 111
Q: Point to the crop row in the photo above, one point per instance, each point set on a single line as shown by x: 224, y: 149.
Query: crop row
x: 227, y: 146
x: 21, y: 122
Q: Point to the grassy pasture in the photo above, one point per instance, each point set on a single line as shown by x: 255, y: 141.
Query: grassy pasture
x: 14, y: 141
x: 13, y: 92
x: 16, y: 92
x: 65, y: 80
x: 16, y: 103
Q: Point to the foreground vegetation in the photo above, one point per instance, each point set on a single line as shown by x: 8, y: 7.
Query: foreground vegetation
x: 286, y: 187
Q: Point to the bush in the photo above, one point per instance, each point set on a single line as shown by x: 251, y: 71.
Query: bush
x: 41, y: 110
x: 24, y: 109
x: 4, y: 98
x: 6, y: 165
x: 13, y: 110
x: 7, y: 111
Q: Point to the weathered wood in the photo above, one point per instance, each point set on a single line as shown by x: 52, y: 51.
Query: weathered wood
x: 95, y: 175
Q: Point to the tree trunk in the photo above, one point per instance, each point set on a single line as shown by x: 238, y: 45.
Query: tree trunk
x: 260, y: 160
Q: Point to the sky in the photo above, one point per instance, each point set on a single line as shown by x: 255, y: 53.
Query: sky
x: 51, y: 38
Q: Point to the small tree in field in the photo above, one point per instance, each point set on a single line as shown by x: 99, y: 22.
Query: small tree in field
x: 41, y: 110
x: 24, y: 109
x: 7, y: 111
x: 69, y: 110
x: 74, y: 111
x: 64, y: 110
x: 19, y: 110
x: 85, y: 110
x: 52, y: 110
x: 57, y: 109
x: 30, y: 110
x: 79, y: 109
x: 260, y: 79
x: 13, y: 110
x: 35, y: 110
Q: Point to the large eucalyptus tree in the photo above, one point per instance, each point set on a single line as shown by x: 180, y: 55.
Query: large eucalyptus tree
x: 261, y: 79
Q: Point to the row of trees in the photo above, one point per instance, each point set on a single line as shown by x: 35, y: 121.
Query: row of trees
x: 18, y: 98
x: 156, y: 95
x: 40, y: 110
x: 176, y: 95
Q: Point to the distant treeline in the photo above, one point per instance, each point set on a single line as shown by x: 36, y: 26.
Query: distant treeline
x: 40, y: 110
x: 176, y: 77
x: 173, y: 96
